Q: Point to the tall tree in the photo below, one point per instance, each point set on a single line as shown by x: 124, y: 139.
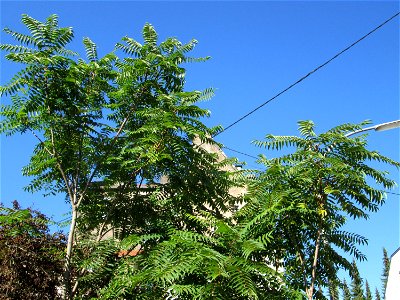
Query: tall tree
x: 108, y: 127
x: 60, y: 101
x: 304, y: 198
x: 346, y: 291
x: 368, y: 295
x: 385, y: 272
x: 357, y: 290
x: 377, y: 294
x: 31, y: 259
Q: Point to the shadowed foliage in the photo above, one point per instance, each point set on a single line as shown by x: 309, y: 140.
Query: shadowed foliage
x: 31, y: 259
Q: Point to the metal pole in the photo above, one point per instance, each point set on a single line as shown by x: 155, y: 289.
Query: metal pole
x: 379, y: 127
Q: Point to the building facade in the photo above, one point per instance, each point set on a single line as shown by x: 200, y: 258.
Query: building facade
x: 393, y: 284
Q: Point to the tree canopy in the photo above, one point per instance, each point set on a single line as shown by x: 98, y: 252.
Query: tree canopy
x: 107, y: 127
x: 304, y: 198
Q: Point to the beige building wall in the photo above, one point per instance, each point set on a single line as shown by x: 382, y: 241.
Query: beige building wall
x: 234, y: 191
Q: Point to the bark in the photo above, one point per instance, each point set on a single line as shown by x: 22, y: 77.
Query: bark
x: 67, y: 267
x: 310, y: 290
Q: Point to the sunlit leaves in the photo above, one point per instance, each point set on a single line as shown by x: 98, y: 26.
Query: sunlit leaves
x: 186, y: 265
x: 305, y: 196
x: 91, y: 49
x: 118, y: 136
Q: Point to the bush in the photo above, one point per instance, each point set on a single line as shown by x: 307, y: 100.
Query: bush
x: 31, y: 259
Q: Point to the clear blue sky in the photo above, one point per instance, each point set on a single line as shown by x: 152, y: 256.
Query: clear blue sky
x: 257, y: 49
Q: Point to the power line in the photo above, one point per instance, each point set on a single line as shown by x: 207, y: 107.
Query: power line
x: 233, y: 150
x: 393, y: 193
x: 63, y: 220
x: 307, y: 75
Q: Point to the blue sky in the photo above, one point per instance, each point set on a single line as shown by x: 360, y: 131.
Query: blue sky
x: 257, y: 49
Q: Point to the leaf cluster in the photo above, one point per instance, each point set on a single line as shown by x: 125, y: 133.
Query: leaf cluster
x: 186, y: 265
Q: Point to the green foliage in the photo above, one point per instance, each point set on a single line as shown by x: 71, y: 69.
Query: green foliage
x: 161, y: 120
x: 304, y: 198
x: 385, y: 271
x: 222, y: 264
x: 60, y: 101
x: 368, y: 295
x: 346, y: 291
x: 377, y: 294
x: 31, y: 259
x: 108, y: 130
x: 357, y: 290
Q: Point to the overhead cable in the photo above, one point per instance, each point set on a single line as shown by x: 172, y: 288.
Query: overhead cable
x: 393, y: 193
x: 233, y: 150
x: 307, y: 75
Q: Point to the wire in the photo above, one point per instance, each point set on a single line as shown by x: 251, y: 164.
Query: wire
x: 63, y: 220
x: 307, y: 75
x: 233, y: 150
x: 392, y: 193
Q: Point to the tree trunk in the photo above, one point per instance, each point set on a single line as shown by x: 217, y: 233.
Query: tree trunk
x: 67, y: 266
x: 310, y: 290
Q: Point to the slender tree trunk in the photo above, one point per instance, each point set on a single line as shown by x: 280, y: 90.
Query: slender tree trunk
x: 310, y: 290
x: 67, y: 266
x: 69, y: 290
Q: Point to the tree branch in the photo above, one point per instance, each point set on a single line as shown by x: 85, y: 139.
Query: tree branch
x: 107, y: 152
x: 54, y: 154
x: 310, y: 291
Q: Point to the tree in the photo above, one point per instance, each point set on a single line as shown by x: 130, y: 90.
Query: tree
x: 60, y: 101
x: 357, y: 291
x: 346, y: 291
x: 377, y: 294
x: 304, y: 198
x: 107, y: 127
x: 31, y: 259
x: 385, y: 272
x: 368, y: 295
x: 333, y: 289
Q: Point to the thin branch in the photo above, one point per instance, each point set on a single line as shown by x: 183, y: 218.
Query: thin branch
x: 107, y: 152
x: 71, y: 195
x: 100, y: 237
x: 78, y: 166
x: 100, y: 233
x: 41, y: 142
x: 53, y: 154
